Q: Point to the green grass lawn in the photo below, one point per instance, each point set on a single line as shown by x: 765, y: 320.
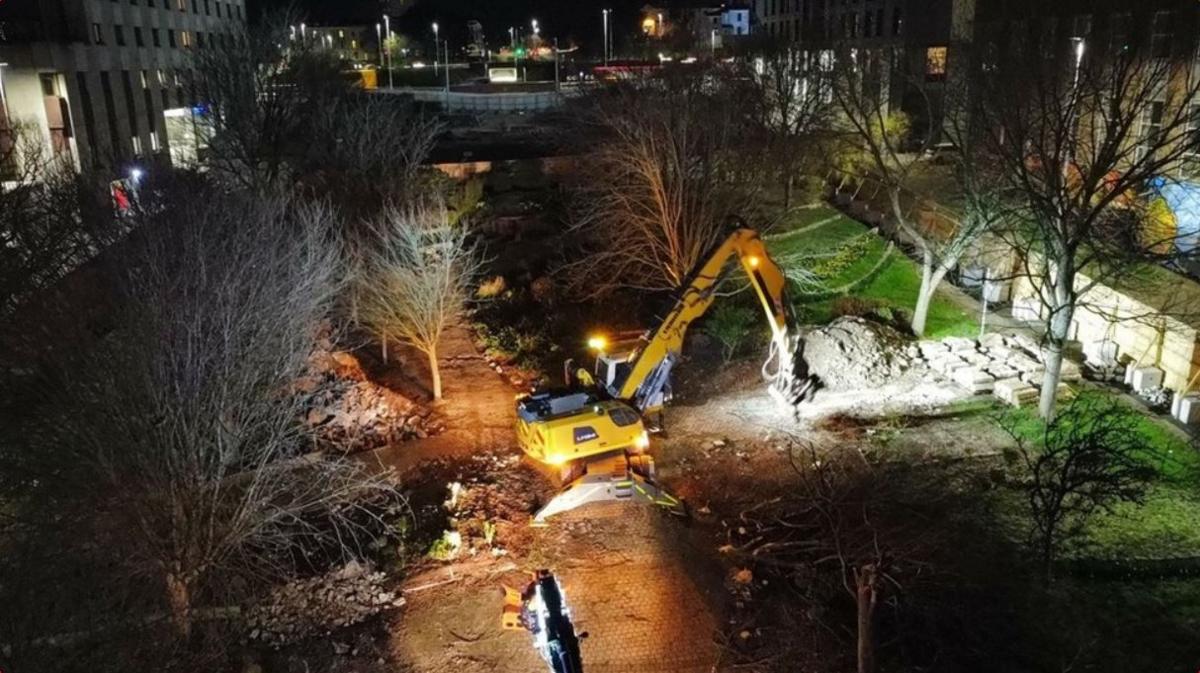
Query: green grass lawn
x: 895, y: 284
x: 1167, y: 524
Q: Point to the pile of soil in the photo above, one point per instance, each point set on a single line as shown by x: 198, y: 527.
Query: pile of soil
x: 347, y: 412
x: 852, y: 353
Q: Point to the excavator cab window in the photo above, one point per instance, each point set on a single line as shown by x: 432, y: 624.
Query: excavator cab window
x: 623, y: 417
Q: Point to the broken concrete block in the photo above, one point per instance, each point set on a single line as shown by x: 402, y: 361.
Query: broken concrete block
x: 947, y: 365
x: 1001, y: 353
x: 931, y: 348
x: 1002, y: 371
x: 1143, y: 378
x: 993, y: 340
x: 974, y: 380
x: 1070, y: 372
x: 1187, y: 409
x: 1014, y: 392
x: 977, y: 359
x: 959, y: 344
x: 1025, y: 343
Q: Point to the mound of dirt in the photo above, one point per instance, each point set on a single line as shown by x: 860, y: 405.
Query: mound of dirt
x: 851, y: 353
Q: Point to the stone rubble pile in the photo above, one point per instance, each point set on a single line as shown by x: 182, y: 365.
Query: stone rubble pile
x: 318, y: 605
x: 852, y: 353
x: 347, y: 412
x: 1010, y: 366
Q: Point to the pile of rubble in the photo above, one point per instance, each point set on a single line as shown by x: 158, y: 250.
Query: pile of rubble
x: 318, y: 605
x: 347, y: 412
x: 1010, y: 366
x: 852, y: 353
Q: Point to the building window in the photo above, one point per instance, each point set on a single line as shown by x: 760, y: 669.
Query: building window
x: 1150, y: 133
x: 185, y: 39
x: 171, y: 37
x: 1190, y: 166
x: 1118, y: 32
x: 138, y: 40
x: 1160, y: 35
x: 879, y: 22
x: 97, y: 34
x: 207, y: 9
x: 137, y: 146
x: 119, y: 35
x: 181, y: 5
x: 155, y: 37
x: 897, y: 22
x: 155, y: 146
x: 935, y: 64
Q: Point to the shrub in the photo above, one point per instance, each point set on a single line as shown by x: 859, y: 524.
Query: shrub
x: 729, y: 324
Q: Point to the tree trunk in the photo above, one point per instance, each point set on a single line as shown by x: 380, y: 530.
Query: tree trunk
x: 1056, y: 341
x: 867, y: 584
x: 435, y: 373
x: 931, y: 278
x: 179, y: 598
x: 787, y: 191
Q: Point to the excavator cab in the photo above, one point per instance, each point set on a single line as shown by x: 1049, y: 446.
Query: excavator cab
x: 559, y: 426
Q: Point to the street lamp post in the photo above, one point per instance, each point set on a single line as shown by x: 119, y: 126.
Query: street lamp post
x: 435, y: 49
x: 556, y: 85
x: 379, y: 41
x: 713, y: 39
x: 660, y: 25
x: 387, y: 36
x: 606, y: 11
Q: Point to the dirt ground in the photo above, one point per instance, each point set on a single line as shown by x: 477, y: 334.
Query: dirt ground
x: 652, y: 591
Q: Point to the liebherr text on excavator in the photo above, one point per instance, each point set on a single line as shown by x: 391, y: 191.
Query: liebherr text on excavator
x: 606, y: 411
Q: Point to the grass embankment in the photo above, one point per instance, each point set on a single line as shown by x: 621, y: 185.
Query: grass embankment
x: 816, y: 233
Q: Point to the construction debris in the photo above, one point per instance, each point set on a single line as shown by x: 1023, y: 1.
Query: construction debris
x: 347, y: 412
x: 852, y: 353
x: 316, y: 606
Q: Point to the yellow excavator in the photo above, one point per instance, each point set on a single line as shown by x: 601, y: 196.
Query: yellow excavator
x: 606, y: 411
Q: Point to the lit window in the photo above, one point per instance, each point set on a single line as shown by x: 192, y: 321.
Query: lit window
x: 145, y: 79
x: 97, y: 34
x: 935, y: 63
x: 154, y: 143
x: 137, y: 146
x: 185, y: 38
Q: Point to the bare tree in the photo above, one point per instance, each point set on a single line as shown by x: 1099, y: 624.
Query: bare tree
x: 367, y: 152
x: 668, y: 170
x: 846, y: 523
x: 48, y: 222
x: 791, y: 103
x: 170, y: 451
x: 1090, y: 457
x: 263, y: 90
x: 1076, y: 140
x: 412, y: 278
x: 881, y: 145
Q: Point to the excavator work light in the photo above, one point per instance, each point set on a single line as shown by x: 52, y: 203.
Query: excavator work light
x: 597, y: 343
x: 753, y: 261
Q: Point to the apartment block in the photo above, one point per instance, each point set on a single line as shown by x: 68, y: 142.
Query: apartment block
x: 106, y: 81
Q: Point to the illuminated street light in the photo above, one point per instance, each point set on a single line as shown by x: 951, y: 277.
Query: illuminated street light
x: 534, y: 24
x: 435, y: 49
x: 135, y: 174
x: 606, y: 11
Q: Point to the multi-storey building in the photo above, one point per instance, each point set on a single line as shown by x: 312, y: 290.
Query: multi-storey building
x: 106, y: 80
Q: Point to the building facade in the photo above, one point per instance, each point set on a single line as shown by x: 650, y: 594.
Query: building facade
x: 105, y: 81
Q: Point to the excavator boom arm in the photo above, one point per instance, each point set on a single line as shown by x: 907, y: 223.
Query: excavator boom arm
x: 665, y: 343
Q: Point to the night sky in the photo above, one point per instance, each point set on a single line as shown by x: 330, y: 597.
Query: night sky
x: 568, y: 20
